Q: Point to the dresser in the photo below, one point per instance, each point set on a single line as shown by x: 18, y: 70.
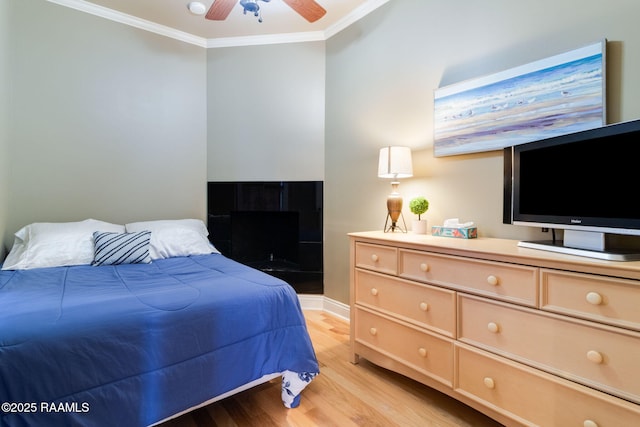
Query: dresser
x: 525, y: 336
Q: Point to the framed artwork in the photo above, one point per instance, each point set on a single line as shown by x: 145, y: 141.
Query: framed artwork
x: 554, y: 96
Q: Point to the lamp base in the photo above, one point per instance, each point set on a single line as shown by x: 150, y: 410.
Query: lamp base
x: 394, y: 210
x: 395, y: 225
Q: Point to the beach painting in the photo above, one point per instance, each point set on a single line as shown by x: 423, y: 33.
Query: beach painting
x: 554, y: 96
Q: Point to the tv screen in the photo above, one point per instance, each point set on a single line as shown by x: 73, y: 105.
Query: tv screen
x: 265, y: 239
x: 582, y: 181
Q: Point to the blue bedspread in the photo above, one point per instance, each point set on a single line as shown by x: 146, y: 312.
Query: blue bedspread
x: 130, y: 345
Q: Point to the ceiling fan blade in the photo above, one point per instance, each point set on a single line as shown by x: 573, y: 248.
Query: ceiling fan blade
x: 220, y: 9
x: 308, y: 9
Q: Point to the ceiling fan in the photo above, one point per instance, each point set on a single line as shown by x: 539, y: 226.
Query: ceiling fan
x: 308, y: 9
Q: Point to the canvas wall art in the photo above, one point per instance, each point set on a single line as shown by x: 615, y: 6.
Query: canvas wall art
x: 554, y: 96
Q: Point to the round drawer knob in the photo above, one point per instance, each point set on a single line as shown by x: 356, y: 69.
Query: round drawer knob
x: 492, y: 280
x: 595, y: 356
x: 373, y: 331
x: 374, y: 258
x: 489, y: 383
x: 424, y: 267
x: 594, y: 298
x: 422, y: 352
x: 424, y: 306
x: 493, y: 327
x: 374, y: 292
x: 590, y: 423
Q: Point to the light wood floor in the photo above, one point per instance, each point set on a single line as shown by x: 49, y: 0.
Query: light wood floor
x: 342, y: 395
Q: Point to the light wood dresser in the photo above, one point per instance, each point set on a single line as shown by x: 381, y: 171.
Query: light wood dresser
x: 527, y: 337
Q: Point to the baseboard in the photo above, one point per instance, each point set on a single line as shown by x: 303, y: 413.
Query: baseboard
x: 311, y: 302
x: 320, y: 302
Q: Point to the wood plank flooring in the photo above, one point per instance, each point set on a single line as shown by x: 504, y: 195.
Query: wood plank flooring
x: 342, y: 395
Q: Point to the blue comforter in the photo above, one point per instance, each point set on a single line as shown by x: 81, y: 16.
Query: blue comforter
x: 130, y: 345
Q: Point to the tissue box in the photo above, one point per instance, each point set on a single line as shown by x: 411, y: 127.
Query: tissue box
x: 459, y: 233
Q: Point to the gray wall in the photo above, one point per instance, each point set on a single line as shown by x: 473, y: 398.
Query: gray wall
x: 111, y: 122
x: 4, y: 121
x: 381, y: 74
x: 108, y: 121
x: 266, y: 112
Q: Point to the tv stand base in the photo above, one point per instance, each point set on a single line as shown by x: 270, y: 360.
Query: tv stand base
x: 609, y: 254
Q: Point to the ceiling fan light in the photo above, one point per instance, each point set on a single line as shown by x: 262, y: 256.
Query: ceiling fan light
x: 196, y: 8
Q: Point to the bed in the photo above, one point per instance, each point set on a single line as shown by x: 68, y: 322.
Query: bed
x: 121, y: 342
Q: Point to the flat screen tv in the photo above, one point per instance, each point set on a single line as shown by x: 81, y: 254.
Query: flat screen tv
x: 584, y: 183
x: 266, y: 240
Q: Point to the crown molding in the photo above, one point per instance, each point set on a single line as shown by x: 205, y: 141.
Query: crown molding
x: 162, y: 30
x: 354, y: 16
x: 132, y: 21
x: 266, y: 39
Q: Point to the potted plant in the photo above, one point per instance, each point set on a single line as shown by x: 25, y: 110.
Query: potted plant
x: 418, y: 206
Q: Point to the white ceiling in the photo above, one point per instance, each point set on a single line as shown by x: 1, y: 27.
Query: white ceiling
x: 280, y: 23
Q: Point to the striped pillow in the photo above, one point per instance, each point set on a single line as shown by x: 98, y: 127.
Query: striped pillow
x: 121, y: 248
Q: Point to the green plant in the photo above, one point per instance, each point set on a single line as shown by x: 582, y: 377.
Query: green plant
x: 418, y: 206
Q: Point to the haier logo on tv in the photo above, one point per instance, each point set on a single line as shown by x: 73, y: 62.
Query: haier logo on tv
x: 576, y: 221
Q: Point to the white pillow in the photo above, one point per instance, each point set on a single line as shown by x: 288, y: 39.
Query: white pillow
x: 172, y: 238
x: 55, y: 244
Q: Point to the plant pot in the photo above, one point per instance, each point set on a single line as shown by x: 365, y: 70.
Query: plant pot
x: 419, y: 226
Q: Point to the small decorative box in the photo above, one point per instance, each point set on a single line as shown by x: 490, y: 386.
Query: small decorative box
x: 459, y: 233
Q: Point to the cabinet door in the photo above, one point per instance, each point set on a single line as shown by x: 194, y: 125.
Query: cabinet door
x: 377, y: 257
x: 426, y: 306
x: 600, y: 298
x: 535, y: 398
x: 596, y: 355
x: 508, y: 282
x: 421, y: 351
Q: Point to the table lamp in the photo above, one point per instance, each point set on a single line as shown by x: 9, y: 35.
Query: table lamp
x: 395, y: 163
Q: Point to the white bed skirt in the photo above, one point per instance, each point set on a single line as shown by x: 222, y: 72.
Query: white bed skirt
x: 237, y: 390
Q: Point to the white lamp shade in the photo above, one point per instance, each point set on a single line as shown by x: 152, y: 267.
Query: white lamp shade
x: 395, y: 162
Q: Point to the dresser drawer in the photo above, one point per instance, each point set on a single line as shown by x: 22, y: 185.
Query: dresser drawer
x: 600, y: 298
x: 533, y: 397
x: 596, y: 355
x: 377, y: 257
x: 427, y: 306
x: 426, y: 353
x: 508, y: 282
